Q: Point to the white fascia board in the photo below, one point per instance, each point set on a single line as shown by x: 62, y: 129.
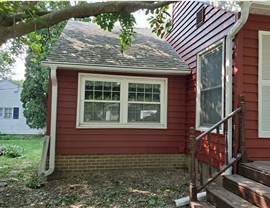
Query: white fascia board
x: 86, y: 67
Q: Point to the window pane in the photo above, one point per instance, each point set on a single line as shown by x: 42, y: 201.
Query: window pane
x: 89, y: 95
x: 140, y: 96
x: 148, y: 88
x: 131, y: 96
x: 211, y: 87
x: 211, y: 68
x: 107, y: 86
x: 98, y: 86
x: 107, y: 96
x: 140, y: 87
x: 143, y: 113
x: 7, y: 112
x: 1, y: 112
x: 98, y: 95
x: 115, y: 95
x: 156, y: 97
x: 101, y: 112
x: 211, y: 107
x: 132, y: 87
x: 148, y: 97
x: 156, y: 88
x: 89, y: 85
x: 116, y: 86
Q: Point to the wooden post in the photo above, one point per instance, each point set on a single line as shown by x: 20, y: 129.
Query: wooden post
x: 242, y: 128
x: 192, y: 186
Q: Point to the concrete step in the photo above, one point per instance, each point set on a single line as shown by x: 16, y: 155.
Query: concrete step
x: 252, y: 191
x: 258, y: 171
x: 222, y: 198
x: 201, y: 204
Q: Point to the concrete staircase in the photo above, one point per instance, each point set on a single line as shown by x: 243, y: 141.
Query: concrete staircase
x: 250, y: 188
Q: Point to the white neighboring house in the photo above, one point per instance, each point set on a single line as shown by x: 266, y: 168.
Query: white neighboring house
x: 12, y: 120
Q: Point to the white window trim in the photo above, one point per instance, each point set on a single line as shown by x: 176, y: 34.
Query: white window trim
x: 261, y: 82
x: 198, y: 78
x: 124, y: 80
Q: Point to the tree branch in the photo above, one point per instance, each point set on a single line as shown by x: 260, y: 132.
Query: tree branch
x: 79, y: 11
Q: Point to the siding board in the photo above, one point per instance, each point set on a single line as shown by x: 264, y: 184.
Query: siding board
x: 188, y: 40
x: 257, y: 148
x: 119, y: 141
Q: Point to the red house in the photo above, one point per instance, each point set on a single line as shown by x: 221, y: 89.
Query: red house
x: 111, y: 110
x: 134, y: 110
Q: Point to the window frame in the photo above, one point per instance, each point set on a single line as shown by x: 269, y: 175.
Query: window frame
x: 207, y: 50
x: 262, y: 82
x: 123, y: 120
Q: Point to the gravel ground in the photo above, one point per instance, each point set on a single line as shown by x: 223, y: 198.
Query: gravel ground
x: 107, y: 189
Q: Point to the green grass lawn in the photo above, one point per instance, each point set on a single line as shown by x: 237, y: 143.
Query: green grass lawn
x: 29, y: 160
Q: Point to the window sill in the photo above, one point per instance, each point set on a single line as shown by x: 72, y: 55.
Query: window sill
x: 122, y: 126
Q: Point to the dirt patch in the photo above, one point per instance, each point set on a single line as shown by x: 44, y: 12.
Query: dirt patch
x: 108, y: 189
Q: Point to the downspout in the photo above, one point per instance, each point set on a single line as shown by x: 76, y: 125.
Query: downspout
x: 52, y: 137
x: 245, y: 6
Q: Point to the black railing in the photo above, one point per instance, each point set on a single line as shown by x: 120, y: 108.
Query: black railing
x: 196, y: 149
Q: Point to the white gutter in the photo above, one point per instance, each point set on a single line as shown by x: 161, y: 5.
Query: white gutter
x: 106, y: 68
x: 245, y: 6
x: 53, y: 129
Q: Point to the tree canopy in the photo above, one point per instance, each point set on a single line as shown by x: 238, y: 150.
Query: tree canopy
x: 18, y: 19
x: 38, y: 24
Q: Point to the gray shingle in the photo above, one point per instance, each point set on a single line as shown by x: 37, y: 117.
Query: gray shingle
x: 86, y: 43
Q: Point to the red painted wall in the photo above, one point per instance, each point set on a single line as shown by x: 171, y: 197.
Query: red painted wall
x: 188, y: 41
x: 246, y: 80
x: 70, y: 140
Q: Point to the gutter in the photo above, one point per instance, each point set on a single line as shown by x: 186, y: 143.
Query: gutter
x: 245, y: 6
x: 106, y: 68
x: 52, y: 138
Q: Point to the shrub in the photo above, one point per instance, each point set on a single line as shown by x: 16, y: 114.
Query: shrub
x: 18, y: 136
x: 34, y: 181
x: 11, y: 151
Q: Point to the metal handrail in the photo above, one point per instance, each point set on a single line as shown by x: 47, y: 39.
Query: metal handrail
x: 196, y: 141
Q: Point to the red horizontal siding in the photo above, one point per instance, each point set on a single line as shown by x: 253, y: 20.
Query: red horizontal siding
x: 247, y: 65
x: 119, y: 141
x: 188, y: 41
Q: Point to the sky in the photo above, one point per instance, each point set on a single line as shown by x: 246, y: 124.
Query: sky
x: 19, y: 68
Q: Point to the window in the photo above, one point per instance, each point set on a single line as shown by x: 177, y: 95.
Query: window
x: 121, y: 102
x: 6, y: 112
x: 9, y: 113
x: 15, y: 113
x: 264, y: 85
x: 209, y: 108
x: 200, y: 17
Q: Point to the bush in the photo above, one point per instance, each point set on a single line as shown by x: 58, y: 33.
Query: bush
x: 18, y: 136
x: 11, y: 151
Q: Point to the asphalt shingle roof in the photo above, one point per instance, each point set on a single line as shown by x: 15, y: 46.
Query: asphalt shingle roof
x: 86, y: 43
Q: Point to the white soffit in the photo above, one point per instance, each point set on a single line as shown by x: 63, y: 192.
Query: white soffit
x: 260, y: 7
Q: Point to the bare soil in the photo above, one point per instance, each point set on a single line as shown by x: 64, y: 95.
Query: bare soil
x: 107, y: 189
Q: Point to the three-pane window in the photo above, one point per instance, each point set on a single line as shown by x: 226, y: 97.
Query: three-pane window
x: 119, y: 101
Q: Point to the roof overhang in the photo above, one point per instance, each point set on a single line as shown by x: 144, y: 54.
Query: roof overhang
x: 257, y: 7
x: 115, y: 69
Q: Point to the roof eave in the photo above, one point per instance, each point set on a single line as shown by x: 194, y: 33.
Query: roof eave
x: 106, y: 68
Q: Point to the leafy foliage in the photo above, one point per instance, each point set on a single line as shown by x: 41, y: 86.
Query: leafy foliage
x: 11, y: 151
x: 160, y: 21
x: 127, y: 22
x: 35, y: 86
